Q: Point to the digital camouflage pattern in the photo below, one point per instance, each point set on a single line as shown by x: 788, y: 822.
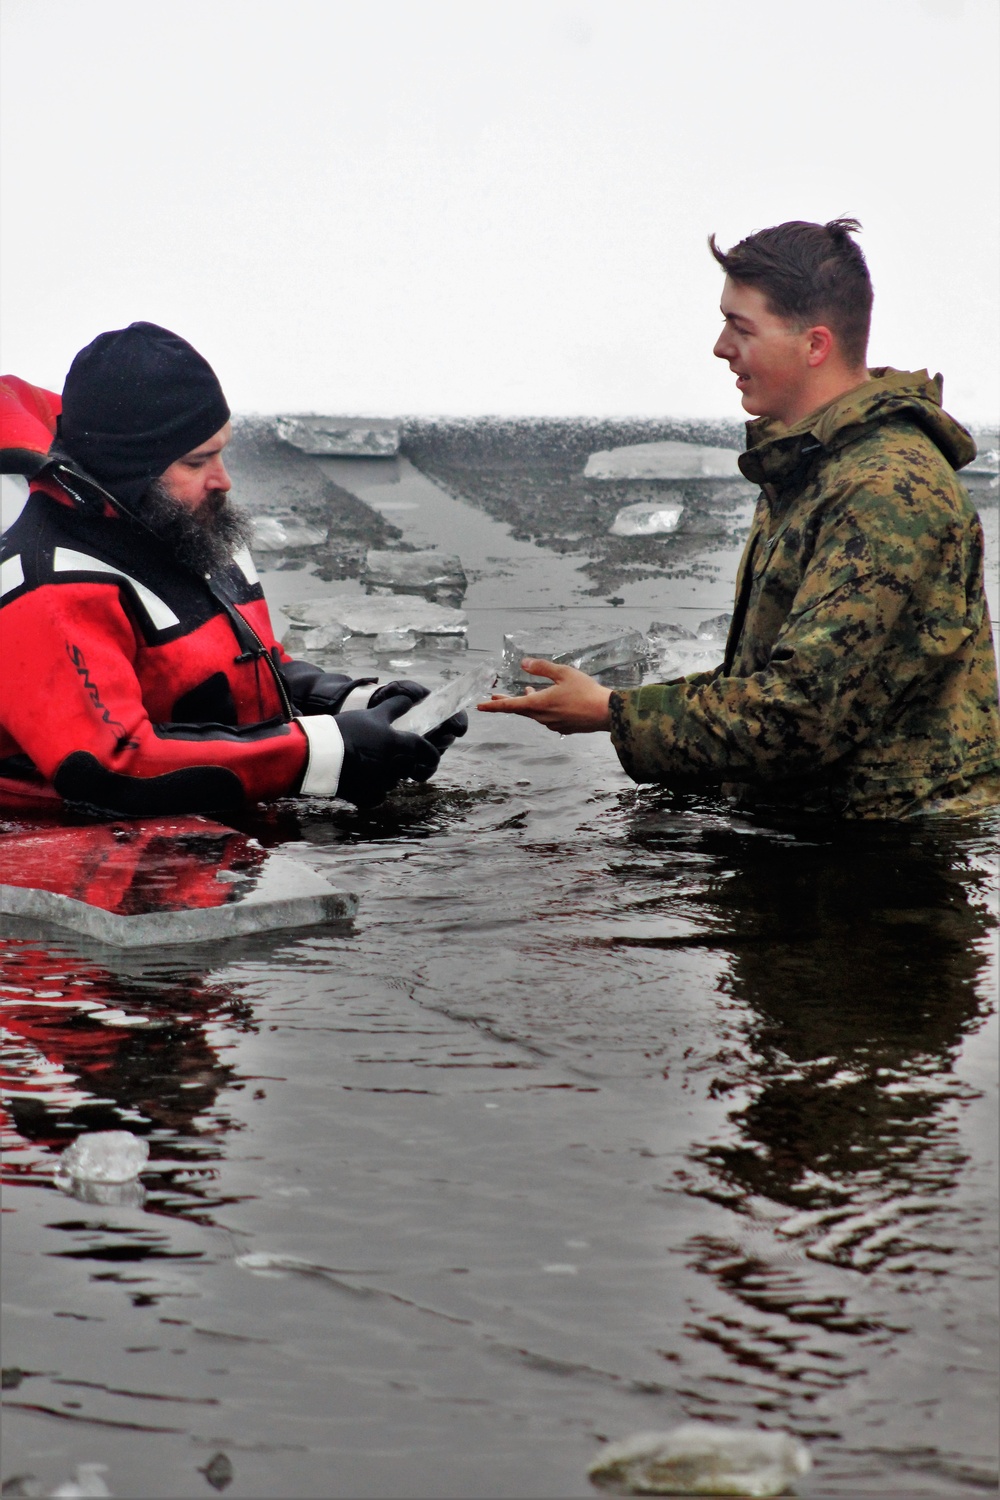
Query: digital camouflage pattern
x: 860, y: 677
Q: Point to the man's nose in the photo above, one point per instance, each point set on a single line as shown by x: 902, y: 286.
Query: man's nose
x: 218, y: 477
x: 723, y: 346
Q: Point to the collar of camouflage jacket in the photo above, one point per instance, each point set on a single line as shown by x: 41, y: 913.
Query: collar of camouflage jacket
x: 777, y: 454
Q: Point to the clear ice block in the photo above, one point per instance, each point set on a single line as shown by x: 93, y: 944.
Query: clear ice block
x: 460, y: 692
x: 702, y: 1459
x: 652, y: 518
x: 104, y: 1156
x: 435, y: 575
x: 567, y: 647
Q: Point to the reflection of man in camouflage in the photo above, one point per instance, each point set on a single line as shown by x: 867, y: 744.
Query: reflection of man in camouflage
x: 859, y: 675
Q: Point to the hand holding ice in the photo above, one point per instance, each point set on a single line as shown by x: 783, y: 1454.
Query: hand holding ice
x: 701, y: 1459
x: 103, y: 1156
x: 450, y: 699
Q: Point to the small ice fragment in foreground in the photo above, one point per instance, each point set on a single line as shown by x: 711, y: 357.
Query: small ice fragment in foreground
x: 87, y: 1481
x: 103, y: 1156
x: 649, y: 519
x: 556, y: 643
x: 450, y: 699
x: 561, y: 1268
x: 702, y: 1459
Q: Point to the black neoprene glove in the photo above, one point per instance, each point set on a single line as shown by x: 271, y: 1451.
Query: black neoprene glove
x: 314, y: 691
x: 445, y: 734
x: 378, y: 757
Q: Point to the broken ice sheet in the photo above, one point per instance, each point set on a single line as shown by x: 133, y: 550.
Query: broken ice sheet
x: 459, y: 693
x: 436, y: 575
x: 571, y: 648
x: 377, y: 614
x: 347, y: 437
x: 700, y: 1458
x: 652, y: 518
x: 664, y: 460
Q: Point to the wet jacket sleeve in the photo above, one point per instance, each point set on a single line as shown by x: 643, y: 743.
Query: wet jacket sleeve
x: 829, y: 683
x: 73, y: 703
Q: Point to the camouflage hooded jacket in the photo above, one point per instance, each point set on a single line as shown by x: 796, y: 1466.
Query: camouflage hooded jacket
x: 860, y: 676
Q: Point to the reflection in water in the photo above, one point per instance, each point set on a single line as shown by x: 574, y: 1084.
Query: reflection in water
x: 89, y: 1050
x: 860, y: 958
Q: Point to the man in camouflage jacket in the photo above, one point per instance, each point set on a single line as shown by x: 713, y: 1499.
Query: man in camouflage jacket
x: 859, y: 677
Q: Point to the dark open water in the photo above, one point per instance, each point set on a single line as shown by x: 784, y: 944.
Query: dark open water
x: 611, y: 1109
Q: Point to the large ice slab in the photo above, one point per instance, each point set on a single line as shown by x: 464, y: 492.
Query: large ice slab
x: 156, y: 881
x: 570, y: 646
x: 452, y: 698
x: 377, y: 614
x: 341, y: 437
x: 665, y: 460
x: 438, y: 576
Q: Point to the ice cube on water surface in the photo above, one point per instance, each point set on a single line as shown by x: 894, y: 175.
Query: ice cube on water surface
x: 104, y: 1156
x: 699, y: 1458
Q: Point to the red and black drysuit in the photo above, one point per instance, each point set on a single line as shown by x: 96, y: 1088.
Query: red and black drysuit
x: 133, y: 686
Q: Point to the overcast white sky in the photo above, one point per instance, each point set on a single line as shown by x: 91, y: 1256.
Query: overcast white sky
x: 413, y: 206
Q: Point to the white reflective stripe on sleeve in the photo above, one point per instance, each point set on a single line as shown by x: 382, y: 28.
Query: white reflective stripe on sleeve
x: 326, y: 755
x: 244, y: 562
x: 11, y: 574
x: 357, y: 698
x: 68, y: 561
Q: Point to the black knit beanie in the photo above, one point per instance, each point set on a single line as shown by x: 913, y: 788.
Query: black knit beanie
x: 135, y: 401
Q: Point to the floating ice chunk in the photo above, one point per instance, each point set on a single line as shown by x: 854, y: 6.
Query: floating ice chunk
x: 649, y: 519
x: 667, y: 631
x: 570, y: 648
x: 986, y: 461
x: 324, y: 637
x: 373, y: 614
x: 87, y: 1482
x: 395, y: 640
x: 341, y: 437
x: 460, y: 692
x: 436, y: 575
x: 666, y: 460
x: 715, y: 629
x: 104, y: 1156
x: 273, y: 535
x: 702, y: 1459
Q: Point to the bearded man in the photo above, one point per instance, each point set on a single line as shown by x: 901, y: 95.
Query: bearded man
x: 859, y: 678
x: 141, y: 673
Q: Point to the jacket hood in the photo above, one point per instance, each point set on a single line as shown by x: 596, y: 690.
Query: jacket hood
x: 774, y: 451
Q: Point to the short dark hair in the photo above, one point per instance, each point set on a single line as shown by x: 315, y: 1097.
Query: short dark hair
x: 807, y: 272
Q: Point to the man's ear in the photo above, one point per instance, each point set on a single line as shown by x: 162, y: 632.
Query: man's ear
x: 820, y: 346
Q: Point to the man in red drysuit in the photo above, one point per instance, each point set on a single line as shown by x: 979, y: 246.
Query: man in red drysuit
x: 140, y: 670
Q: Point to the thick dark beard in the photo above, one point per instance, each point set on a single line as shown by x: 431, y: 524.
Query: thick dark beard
x: 203, y: 540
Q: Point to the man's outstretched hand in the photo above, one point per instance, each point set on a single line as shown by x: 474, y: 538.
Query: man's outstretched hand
x: 575, y: 704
